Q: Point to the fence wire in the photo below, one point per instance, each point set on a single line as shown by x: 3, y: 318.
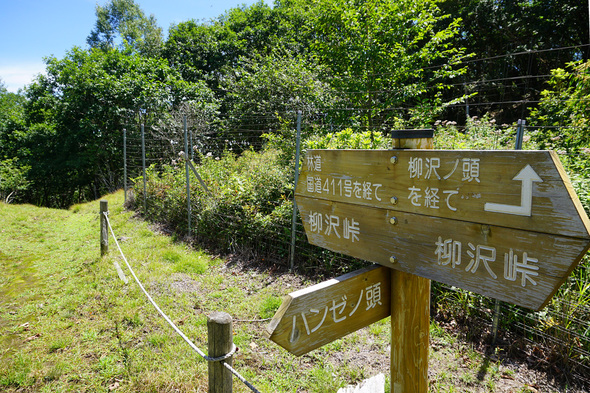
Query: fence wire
x: 562, y: 328
x: 173, y: 325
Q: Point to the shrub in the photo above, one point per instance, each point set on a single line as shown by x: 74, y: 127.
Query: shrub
x: 348, y: 139
x: 478, y: 134
x: 13, y: 178
x: 248, y: 204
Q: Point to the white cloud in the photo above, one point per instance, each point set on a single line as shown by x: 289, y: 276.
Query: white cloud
x: 15, y: 76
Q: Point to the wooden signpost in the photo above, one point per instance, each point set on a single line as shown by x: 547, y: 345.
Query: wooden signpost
x: 505, y: 224
x: 320, y: 314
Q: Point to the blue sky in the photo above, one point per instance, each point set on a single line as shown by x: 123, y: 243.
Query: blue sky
x: 33, y: 29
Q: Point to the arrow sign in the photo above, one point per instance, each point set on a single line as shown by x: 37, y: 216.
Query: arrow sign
x: 320, y: 314
x: 454, y: 184
x: 527, y: 176
x: 437, y: 214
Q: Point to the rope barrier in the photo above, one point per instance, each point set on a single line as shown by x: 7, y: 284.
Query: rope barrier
x: 174, y: 327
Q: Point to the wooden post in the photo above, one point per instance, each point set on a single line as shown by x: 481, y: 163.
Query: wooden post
x: 104, y: 233
x: 219, y: 327
x: 410, y: 305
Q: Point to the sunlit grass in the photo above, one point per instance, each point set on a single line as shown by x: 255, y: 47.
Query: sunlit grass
x: 75, y: 326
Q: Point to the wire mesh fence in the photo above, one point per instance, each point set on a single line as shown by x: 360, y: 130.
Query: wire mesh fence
x: 249, y: 208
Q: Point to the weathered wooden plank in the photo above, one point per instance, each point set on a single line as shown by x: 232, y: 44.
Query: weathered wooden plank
x: 526, y: 190
x: 322, y: 313
x: 514, y: 265
x: 410, y: 316
x: 410, y: 332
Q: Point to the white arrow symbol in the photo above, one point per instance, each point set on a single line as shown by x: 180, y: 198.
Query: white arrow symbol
x: 527, y: 176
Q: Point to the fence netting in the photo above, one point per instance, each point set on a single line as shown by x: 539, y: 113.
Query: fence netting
x: 251, y: 202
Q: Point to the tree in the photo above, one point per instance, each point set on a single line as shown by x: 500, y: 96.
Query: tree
x: 563, y: 113
x: 387, y: 56
x: 519, y: 42
x: 77, y: 112
x: 212, y: 49
x: 11, y: 121
x: 263, y: 93
x: 13, y: 178
x: 124, y: 19
x: 12, y: 173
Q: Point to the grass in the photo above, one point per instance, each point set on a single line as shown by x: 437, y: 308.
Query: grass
x: 68, y: 323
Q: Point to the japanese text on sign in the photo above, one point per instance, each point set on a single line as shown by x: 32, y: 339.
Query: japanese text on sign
x: 331, y: 224
x: 449, y: 252
x: 428, y: 168
x: 337, y: 311
x: 330, y: 186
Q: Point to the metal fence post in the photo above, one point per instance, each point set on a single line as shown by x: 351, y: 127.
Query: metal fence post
x: 143, y: 168
x: 125, y: 164
x: 190, y: 134
x: 220, y: 337
x: 188, y: 184
x: 296, y: 176
x: 104, y: 234
x: 519, y: 134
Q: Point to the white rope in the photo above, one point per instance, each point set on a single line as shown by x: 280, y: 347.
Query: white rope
x: 176, y: 329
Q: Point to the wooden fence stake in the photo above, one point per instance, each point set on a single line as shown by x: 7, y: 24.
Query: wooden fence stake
x: 220, y: 336
x: 410, y: 309
x: 104, y: 234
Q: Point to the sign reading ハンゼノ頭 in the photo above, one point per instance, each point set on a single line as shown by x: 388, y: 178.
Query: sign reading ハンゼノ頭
x: 505, y: 224
x: 322, y: 313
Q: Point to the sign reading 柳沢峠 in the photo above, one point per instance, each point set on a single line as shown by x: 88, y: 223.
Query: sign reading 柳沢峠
x: 505, y: 224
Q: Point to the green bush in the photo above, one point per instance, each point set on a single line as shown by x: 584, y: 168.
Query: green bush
x: 248, y: 204
x: 13, y: 178
x: 348, y: 139
x: 562, y: 114
x: 478, y: 134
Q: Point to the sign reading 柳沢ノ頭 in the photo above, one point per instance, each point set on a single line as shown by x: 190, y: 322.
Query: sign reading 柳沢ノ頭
x: 505, y: 224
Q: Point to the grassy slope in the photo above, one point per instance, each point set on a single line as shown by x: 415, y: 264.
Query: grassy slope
x: 67, y: 323
x: 86, y: 330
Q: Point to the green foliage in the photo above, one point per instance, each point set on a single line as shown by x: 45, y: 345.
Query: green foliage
x: 348, y: 139
x: 269, y: 306
x: 562, y: 319
x: 126, y: 20
x: 77, y: 112
x: 12, y: 122
x: 478, y: 134
x: 263, y: 90
x: 17, y: 373
x: 13, y: 178
x: 492, y: 29
x: 563, y: 111
x: 387, y: 55
x: 212, y: 49
x: 249, y: 200
x: 192, y: 263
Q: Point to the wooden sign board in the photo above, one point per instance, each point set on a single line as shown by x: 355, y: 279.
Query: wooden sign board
x: 320, y: 314
x: 520, y: 267
x: 503, y: 224
x: 516, y: 189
